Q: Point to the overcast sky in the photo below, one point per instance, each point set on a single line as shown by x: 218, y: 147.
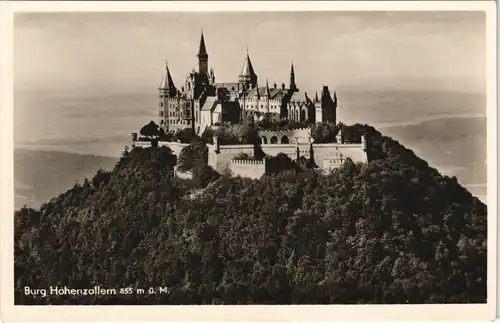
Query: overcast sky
x: 126, y: 51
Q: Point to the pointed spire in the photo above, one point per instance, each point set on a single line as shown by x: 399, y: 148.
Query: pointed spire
x: 247, y: 69
x: 258, y: 92
x: 293, y: 86
x: 335, y: 96
x: 268, y: 92
x: 316, y: 97
x: 202, y: 51
x: 166, y: 81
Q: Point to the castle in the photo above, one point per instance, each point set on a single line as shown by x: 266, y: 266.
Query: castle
x: 201, y: 102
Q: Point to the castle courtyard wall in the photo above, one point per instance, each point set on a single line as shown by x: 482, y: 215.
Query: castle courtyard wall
x: 355, y: 152
x: 220, y: 159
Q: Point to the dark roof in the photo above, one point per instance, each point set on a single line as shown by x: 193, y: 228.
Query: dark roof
x: 210, y: 102
x: 202, y: 50
x: 274, y: 92
x: 247, y: 69
x: 166, y: 81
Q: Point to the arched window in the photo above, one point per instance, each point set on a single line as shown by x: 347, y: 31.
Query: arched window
x: 263, y: 140
x: 274, y: 140
x: 284, y: 140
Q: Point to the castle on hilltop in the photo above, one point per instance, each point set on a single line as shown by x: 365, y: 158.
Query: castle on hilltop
x: 201, y: 102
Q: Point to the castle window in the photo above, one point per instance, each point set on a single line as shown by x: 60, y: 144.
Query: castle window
x: 161, y: 104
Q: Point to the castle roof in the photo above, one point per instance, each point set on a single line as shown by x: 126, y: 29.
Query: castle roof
x: 166, y: 81
x: 247, y: 69
x: 262, y: 91
x: 202, y: 51
x: 209, y: 104
x: 299, y: 96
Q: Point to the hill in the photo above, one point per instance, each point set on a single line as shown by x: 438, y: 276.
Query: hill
x: 40, y: 175
x: 456, y: 146
x: 391, y: 231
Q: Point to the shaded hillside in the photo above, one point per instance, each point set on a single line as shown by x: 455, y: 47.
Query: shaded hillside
x: 40, y: 175
x: 456, y: 146
x: 392, y: 231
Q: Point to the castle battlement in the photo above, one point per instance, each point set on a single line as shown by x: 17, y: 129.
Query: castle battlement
x: 247, y: 162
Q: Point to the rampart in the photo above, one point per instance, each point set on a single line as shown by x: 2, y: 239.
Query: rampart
x: 325, y: 155
x: 247, y: 168
x: 219, y: 156
x: 176, y: 147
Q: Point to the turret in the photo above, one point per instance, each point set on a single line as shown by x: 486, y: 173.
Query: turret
x: 340, y: 137
x: 247, y: 77
x: 216, y: 143
x: 166, y: 90
x: 167, y: 84
x: 268, y: 91
x: 363, y: 142
x: 212, y: 76
x: 202, y: 57
x: 328, y: 105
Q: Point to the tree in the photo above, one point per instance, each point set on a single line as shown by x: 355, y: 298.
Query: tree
x: 186, y: 135
x: 192, y: 154
x: 203, y: 174
x: 150, y: 130
x: 391, y: 231
x: 323, y: 132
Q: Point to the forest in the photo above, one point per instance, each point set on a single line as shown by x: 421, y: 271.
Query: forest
x: 392, y: 231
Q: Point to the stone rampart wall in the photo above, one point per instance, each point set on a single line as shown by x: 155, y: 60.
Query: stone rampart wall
x: 247, y: 168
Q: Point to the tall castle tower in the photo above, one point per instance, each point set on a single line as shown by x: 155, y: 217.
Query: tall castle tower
x: 326, y: 106
x: 166, y: 91
x: 202, y: 57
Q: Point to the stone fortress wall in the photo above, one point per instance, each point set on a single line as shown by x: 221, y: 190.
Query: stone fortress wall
x: 247, y: 168
x: 327, y: 156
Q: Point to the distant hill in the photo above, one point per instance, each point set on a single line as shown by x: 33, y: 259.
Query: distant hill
x: 40, y: 175
x: 391, y: 231
x: 456, y: 146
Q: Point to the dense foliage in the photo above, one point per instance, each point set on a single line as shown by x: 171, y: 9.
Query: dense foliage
x: 40, y: 175
x: 391, y: 231
x: 153, y: 132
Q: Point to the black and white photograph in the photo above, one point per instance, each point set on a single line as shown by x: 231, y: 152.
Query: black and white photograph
x: 273, y: 157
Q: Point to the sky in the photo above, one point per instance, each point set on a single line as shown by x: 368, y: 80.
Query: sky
x: 115, y: 52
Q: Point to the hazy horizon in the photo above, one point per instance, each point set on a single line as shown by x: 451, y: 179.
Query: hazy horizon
x: 125, y: 52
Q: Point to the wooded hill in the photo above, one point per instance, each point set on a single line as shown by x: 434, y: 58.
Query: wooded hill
x: 390, y: 231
